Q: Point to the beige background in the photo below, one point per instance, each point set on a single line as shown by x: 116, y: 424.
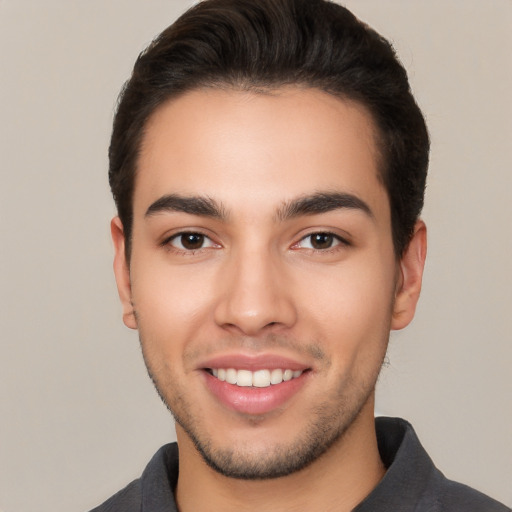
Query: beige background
x: 79, y: 417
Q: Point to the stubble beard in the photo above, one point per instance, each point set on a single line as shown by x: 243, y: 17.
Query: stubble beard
x: 330, y: 421
x: 281, y: 460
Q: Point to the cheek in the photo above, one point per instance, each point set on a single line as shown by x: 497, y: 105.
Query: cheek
x: 351, y: 306
x: 171, y: 303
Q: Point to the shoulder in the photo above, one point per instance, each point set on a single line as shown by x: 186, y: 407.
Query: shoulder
x: 126, y: 500
x: 452, y: 496
x: 154, y: 490
x: 412, y: 482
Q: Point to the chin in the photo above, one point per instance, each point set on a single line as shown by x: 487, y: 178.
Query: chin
x: 258, y: 457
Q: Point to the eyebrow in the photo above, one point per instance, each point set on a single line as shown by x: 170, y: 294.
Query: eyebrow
x: 194, y: 205
x: 322, y: 202
x: 204, y: 206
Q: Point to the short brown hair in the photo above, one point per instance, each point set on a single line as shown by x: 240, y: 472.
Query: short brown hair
x: 255, y: 44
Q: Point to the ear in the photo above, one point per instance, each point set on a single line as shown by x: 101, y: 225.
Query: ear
x: 122, y: 273
x: 409, y: 279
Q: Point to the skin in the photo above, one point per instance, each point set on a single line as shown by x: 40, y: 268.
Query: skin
x: 258, y: 284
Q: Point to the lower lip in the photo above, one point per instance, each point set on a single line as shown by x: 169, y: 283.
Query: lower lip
x: 252, y: 400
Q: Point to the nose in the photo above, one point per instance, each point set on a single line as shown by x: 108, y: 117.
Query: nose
x: 255, y: 294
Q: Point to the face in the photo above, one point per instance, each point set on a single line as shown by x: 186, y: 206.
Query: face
x: 262, y: 277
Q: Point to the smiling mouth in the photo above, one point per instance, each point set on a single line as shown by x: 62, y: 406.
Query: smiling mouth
x: 257, y: 379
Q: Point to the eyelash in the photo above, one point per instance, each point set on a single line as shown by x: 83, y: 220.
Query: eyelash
x: 167, y: 243
x: 337, y: 240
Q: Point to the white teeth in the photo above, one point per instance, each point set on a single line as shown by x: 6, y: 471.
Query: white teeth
x: 276, y: 377
x: 258, y: 379
x: 244, y: 378
x: 261, y: 379
x: 231, y: 376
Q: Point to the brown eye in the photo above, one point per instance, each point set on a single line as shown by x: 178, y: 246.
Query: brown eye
x: 190, y: 241
x: 321, y: 240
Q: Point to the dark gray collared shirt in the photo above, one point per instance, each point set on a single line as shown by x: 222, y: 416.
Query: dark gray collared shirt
x: 411, y: 483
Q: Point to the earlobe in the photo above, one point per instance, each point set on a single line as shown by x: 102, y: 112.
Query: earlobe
x: 122, y: 273
x: 411, y: 267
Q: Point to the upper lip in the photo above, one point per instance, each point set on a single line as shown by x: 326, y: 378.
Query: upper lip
x: 253, y: 362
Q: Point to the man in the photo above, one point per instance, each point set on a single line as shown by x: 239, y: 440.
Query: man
x: 268, y: 163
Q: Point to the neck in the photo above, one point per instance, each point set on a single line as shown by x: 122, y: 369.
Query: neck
x: 339, y: 480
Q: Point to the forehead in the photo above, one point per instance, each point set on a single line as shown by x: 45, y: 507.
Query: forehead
x: 255, y: 150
